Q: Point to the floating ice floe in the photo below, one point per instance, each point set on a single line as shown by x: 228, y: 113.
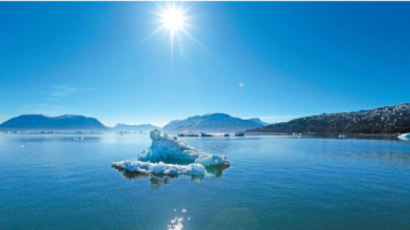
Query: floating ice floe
x: 404, y: 137
x: 161, y: 168
x: 169, y: 156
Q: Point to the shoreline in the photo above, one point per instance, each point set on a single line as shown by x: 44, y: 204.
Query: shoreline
x: 376, y: 136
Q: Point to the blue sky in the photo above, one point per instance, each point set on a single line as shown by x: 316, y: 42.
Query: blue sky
x: 271, y: 60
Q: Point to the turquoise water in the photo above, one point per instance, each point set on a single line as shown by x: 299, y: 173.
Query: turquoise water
x: 55, y: 182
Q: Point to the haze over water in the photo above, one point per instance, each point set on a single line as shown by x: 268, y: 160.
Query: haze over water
x: 56, y: 182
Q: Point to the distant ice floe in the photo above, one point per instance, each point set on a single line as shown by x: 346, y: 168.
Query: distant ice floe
x: 404, y: 137
x: 169, y: 156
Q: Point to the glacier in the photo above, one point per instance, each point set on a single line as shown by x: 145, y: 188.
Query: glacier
x: 169, y: 156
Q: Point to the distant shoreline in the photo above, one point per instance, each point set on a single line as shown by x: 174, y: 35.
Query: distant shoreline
x: 381, y: 136
x: 374, y: 136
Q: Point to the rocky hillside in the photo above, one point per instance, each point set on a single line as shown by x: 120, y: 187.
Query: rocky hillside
x: 389, y: 119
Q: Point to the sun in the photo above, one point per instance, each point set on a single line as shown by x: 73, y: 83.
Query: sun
x: 173, y: 19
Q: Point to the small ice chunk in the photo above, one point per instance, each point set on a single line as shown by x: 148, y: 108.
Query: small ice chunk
x: 211, y: 160
x: 404, y: 137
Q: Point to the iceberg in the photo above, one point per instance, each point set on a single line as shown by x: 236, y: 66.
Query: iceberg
x: 169, y: 156
x: 404, y: 137
x: 169, y: 149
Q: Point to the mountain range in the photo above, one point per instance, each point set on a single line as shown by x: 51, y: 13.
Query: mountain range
x: 389, y: 119
x: 214, y: 122
x: 64, y: 122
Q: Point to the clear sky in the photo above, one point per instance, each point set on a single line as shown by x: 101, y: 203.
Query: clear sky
x: 271, y: 60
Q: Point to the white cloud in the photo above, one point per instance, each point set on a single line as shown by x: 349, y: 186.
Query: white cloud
x: 241, y: 84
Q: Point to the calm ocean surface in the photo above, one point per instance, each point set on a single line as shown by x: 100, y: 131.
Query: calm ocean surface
x: 55, y: 182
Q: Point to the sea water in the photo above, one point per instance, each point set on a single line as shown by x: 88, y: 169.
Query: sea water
x: 62, y: 181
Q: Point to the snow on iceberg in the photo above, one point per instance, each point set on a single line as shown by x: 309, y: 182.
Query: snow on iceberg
x: 169, y: 156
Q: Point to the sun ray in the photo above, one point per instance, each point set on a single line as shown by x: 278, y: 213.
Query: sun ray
x: 186, y: 32
x: 159, y: 29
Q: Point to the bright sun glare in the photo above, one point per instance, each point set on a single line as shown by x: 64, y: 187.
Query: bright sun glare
x: 173, y: 19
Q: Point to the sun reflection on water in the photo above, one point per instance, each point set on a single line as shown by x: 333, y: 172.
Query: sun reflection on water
x: 177, y: 223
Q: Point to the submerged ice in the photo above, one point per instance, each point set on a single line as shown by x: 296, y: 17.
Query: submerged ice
x: 169, y: 156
